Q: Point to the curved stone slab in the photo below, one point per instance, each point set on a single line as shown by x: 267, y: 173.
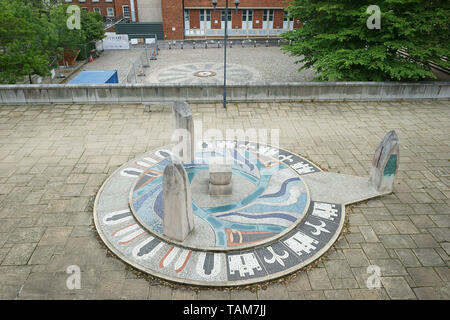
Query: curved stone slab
x: 385, y: 163
x: 183, y: 132
x: 178, y: 218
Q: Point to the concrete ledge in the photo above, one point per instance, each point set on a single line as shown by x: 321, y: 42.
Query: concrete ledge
x: 270, y: 92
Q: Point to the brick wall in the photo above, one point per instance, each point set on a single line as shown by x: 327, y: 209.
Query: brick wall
x: 102, y: 5
x: 297, y: 23
x: 194, y: 19
x: 119, y: 10
x: 215, y: 15
x: 278, y: 18
x: 172, y: 12
x: 257, y: 16
x: 236, y: 19
x: 118, y: 7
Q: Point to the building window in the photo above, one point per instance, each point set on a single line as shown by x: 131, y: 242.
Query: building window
x: 84, y: 8
x: 244, y: 15
x: 223, y: 16
x: 126, y: 11
x: 97, y: 10
x: 268, y: 15
x: 286, y: 15
x: 94, y: 1
x: 186, y: 15
x: 250, y: 15
x: 205, y: 13
x: 110, y: 12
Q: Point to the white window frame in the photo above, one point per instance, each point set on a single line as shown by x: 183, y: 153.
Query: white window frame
x: 110, y: 10
x: 123, y: 11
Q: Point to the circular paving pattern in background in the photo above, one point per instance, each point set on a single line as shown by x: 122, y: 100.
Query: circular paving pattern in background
x: 268, y: 227
x: 205, y: 73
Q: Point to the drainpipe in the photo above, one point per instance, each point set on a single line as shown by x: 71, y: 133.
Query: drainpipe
x: 184, y: 26
x: 133, y: 15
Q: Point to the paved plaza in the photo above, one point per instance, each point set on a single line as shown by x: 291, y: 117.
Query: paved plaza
x: 54, y: 158
x: 247, y: 64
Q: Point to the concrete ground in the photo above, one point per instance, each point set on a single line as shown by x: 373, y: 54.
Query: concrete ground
x: 54, y: 158
x: 260, y: 61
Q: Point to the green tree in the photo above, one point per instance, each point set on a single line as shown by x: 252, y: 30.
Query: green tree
x: 92, y: 25
x: 92, y: 29
x: 24, y: 41
x: 336, y: 42
x: 33, y: 37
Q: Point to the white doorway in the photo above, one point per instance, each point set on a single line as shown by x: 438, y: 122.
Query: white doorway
x: 247, y: 19
x: 268, y: 19
x: 288, y: 23
x: 186, y: 20
x: 222, y: 23
x: 205, y: 19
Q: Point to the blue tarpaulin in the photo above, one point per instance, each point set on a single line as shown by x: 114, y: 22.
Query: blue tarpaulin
x: 95, y: 77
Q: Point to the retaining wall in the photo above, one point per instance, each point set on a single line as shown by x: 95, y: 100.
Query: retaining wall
x: 160, y: 93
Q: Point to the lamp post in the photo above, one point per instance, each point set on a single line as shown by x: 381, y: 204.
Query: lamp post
x: 236, y: 3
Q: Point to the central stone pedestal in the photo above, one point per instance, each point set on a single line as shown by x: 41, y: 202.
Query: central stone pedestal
x: 220, y: 179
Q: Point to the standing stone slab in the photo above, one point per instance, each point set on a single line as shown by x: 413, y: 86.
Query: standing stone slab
x: 183, y: 132
x: 178, y: 217
x: 385, y: 163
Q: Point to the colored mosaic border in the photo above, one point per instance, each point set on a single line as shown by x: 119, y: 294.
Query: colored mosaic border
x: 123, y: 235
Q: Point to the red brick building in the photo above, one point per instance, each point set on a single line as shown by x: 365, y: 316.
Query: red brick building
x: 110, y: 8
x: 198, y: 19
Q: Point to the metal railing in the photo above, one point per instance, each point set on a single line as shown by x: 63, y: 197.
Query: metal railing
x: 149, y: 44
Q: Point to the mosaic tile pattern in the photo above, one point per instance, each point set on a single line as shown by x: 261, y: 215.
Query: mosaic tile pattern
x: 287, y: 251
x: 272, y: 199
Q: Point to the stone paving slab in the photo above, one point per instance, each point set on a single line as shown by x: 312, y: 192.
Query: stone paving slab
x: 46, y: 149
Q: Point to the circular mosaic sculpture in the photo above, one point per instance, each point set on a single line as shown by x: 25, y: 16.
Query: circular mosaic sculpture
x: 269, y: 227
